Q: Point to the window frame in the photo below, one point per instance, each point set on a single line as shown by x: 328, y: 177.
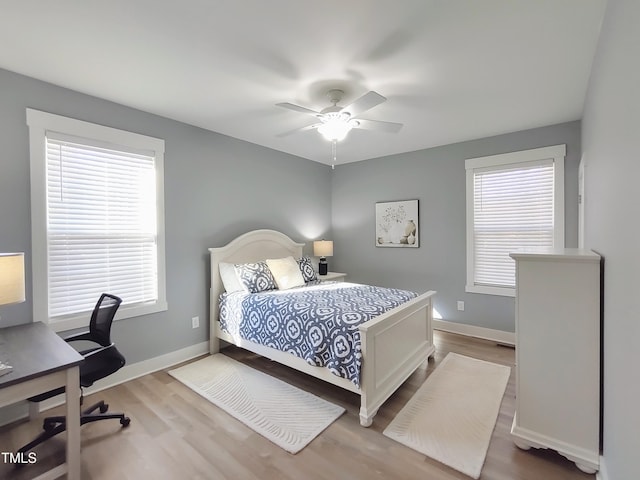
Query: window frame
x: 557, y: 154
x: 39, y: 123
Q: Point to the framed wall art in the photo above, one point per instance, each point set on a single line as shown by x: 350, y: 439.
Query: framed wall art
x: 397, y: 224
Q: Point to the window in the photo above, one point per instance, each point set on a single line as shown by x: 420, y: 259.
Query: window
x: 514, y: 201
x: 97, y: 219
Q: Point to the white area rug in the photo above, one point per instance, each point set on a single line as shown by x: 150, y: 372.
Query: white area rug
x: 284, y: 414
x: 452, y: 415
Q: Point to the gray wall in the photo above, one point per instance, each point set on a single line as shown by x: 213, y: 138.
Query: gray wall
x: 436, y: 177
x: 216, y: 188
x: 611, y: 145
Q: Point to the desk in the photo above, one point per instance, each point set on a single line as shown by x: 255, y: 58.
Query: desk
x: 43, y: 361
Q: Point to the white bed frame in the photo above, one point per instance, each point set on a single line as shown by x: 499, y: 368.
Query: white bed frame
x: 394, y: 344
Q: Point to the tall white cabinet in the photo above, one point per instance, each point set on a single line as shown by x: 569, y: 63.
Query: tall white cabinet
x: 558, y: 353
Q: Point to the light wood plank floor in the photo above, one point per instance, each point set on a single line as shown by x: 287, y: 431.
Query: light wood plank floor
x: 176, y: 434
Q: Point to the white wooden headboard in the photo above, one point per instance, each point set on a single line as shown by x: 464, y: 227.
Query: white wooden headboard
x: 247, y: 248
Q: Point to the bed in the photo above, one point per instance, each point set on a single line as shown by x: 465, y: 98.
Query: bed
x: 393, y: 345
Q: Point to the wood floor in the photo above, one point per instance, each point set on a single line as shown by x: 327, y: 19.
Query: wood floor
x: 176, y: 434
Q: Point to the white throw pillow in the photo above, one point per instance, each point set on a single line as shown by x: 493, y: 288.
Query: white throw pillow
x: 286, y: 272
x: 230, y: 278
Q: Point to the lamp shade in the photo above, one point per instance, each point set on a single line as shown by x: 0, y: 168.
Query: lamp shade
x: 11, y: 278
x: 323, y: 248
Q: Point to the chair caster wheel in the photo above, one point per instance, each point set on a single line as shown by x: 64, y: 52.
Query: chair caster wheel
x: 125, y: 421
x: 104, y: 407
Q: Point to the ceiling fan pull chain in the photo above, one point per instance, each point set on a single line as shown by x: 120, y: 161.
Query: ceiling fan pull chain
x: 333, y: 151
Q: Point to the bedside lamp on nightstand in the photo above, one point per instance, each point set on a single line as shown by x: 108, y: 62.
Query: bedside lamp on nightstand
x: 323, y: 249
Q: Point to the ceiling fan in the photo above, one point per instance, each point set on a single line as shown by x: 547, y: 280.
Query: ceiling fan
x: 336, y: 121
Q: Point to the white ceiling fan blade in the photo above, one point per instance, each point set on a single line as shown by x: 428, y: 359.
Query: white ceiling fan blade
x: 296, y: 130
x: 389, y: 127
x: 298, y: 108
x: 364, y: 103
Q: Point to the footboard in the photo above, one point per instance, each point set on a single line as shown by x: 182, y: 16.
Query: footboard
x: 393, y: 346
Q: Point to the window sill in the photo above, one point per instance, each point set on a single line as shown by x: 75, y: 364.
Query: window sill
x: 82, y: 320
x: 500, y: 291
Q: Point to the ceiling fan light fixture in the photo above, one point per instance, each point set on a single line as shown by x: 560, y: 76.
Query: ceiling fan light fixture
x: 335, y: 122
x: 335, y: 126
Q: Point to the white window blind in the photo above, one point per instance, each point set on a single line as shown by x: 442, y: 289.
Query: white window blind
x: 101, y: 224
x: 513, y: 209
x: 515, y: 201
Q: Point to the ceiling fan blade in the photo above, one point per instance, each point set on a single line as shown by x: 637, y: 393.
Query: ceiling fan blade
x: 298, y: 108
x: 296, y: 130
x: 364, y: 103
x: 389, y: 127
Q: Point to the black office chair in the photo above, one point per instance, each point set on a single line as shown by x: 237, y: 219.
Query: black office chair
x: 100, y: 361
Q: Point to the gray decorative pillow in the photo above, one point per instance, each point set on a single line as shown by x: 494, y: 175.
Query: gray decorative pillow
x: 255, y: 277
x: 306, y: 267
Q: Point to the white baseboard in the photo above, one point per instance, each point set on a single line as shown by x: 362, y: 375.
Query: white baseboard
x: 602, y: 472
x: 499, y: 336
x: 128, y: 372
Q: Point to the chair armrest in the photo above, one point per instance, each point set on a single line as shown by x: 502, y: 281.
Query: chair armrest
x: 96, y: 351
x: 79, y: 336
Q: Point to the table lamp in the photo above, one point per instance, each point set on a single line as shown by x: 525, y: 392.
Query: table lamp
x: 11, y: 278
x: 323, y: 249
x: 11, y: 289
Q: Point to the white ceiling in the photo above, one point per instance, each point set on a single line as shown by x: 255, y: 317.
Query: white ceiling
x: 452, y: 70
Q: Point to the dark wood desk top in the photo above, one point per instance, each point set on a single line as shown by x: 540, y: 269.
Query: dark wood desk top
x: 34, y: 350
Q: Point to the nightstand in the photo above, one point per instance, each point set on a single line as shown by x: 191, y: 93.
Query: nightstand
x: 333, y: 276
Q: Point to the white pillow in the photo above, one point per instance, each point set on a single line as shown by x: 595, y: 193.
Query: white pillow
x: 286, y: 272
x: 230, y: 278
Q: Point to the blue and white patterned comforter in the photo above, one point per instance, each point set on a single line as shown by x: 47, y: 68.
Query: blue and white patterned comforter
x: 317, y: 322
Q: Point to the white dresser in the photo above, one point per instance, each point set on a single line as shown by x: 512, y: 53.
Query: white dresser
x: 558, y: 353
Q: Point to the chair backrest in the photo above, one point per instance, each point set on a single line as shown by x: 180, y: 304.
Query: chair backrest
x: 102, y: 317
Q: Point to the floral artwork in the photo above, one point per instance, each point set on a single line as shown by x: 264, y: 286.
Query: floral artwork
x: 397, y: 224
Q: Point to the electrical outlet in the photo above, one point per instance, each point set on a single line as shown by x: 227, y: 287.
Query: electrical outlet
x: 461, y: 305
x: 195, y: 322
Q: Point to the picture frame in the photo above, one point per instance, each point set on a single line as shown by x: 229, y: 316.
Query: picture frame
x: 397, y: 224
